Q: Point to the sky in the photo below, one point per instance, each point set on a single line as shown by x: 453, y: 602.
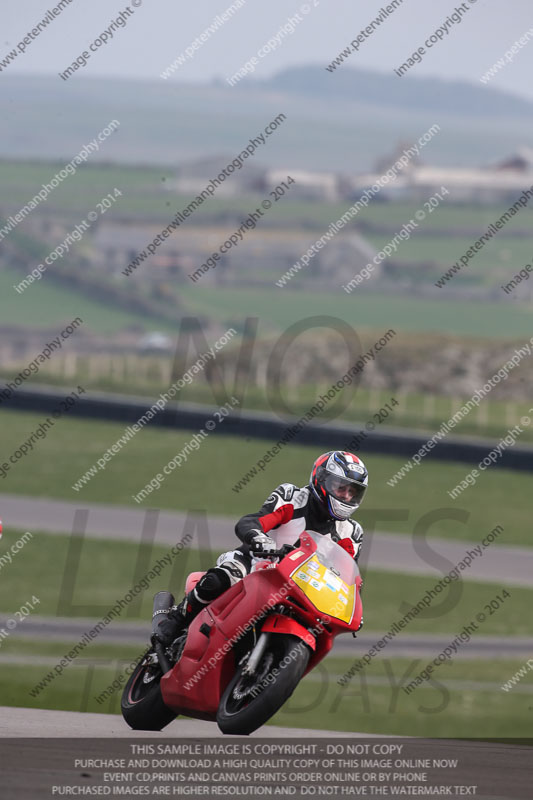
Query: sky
x: 157, y: 31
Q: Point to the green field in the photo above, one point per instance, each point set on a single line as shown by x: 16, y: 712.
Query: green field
x: 278, y: 309
x: 499, y: 261
x: 45, y: 304
x: 142, y: 188
x: 44, y: 301
x: 72, y: 446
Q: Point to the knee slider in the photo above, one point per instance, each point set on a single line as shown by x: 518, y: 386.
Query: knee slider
x: 212, y: 584
x: 234, y: 570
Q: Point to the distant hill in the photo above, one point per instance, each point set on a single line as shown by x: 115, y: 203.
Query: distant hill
x: 355, y: 117
x: 407, y: 93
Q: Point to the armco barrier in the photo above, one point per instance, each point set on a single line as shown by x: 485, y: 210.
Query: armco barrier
x: 398, y: 442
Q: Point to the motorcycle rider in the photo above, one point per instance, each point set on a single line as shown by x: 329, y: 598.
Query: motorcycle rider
x: 336, y: 488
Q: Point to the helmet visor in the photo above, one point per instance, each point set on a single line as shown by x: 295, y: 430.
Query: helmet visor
x: 345, y: 490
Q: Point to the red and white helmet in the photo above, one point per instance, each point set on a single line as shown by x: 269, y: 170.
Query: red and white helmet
x: 339, y: 480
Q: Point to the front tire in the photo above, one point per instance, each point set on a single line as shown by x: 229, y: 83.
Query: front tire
x: 142, y: 703
x: 250, y: 701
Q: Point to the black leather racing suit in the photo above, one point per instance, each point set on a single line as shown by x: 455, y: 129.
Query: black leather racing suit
x: 284, y: 515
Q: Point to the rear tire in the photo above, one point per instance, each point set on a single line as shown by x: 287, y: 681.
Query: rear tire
x: 142, y: 703
x: 240, y: 712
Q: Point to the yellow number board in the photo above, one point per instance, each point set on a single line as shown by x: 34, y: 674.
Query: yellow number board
x: 327, y: 592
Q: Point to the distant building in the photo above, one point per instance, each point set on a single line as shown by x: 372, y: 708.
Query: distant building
x: 114, y: 246
x: 468, y: 185
x: 264, y: 254
x: 346, y: 256
x: 193, y: 177
x: 501, y: 182
x: 387, y: 161
x: 521, y: 161
x: 155, y: 343
x: 318, y: 186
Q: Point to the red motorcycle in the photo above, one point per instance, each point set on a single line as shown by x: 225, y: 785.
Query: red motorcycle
x: 245, y: 653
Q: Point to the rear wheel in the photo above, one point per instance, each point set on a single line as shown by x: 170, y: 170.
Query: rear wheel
x: 251, y: 700
x: 142, y: 704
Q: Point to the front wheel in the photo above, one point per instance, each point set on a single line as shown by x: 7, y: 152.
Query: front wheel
x: 251, y: 700
x: 142, y: 704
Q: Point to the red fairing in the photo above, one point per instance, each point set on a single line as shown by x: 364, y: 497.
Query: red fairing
x: 199, y: 678
x: 358, y: 614
x: 277, y: 623
x: 281, y: 516
x: 194, y: 686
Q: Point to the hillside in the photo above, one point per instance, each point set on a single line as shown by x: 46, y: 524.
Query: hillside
x: 411, y: 94
x: 354, y: 117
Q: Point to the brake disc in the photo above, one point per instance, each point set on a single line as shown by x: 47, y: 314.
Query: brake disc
x: 240, y: 692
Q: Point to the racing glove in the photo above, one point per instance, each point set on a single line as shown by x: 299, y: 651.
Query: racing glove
x: 257, y: 540
x: 347, y: 544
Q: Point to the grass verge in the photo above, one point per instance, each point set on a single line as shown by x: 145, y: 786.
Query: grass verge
x: 207, y: 479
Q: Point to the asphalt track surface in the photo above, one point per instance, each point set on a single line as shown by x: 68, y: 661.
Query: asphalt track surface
x: 34, y: 723
x: 509, y: 566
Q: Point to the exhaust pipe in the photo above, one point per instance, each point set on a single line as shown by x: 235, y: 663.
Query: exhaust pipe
x: 163, y: 602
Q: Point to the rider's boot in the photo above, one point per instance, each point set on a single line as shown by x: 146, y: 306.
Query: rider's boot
x: 209, y: 587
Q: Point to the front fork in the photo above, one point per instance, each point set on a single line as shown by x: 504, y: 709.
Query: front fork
x: 256, y: 654
x: 277, y: 623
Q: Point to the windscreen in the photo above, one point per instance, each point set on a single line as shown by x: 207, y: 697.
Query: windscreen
x: 335, y: 558
x: 327, y: 577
